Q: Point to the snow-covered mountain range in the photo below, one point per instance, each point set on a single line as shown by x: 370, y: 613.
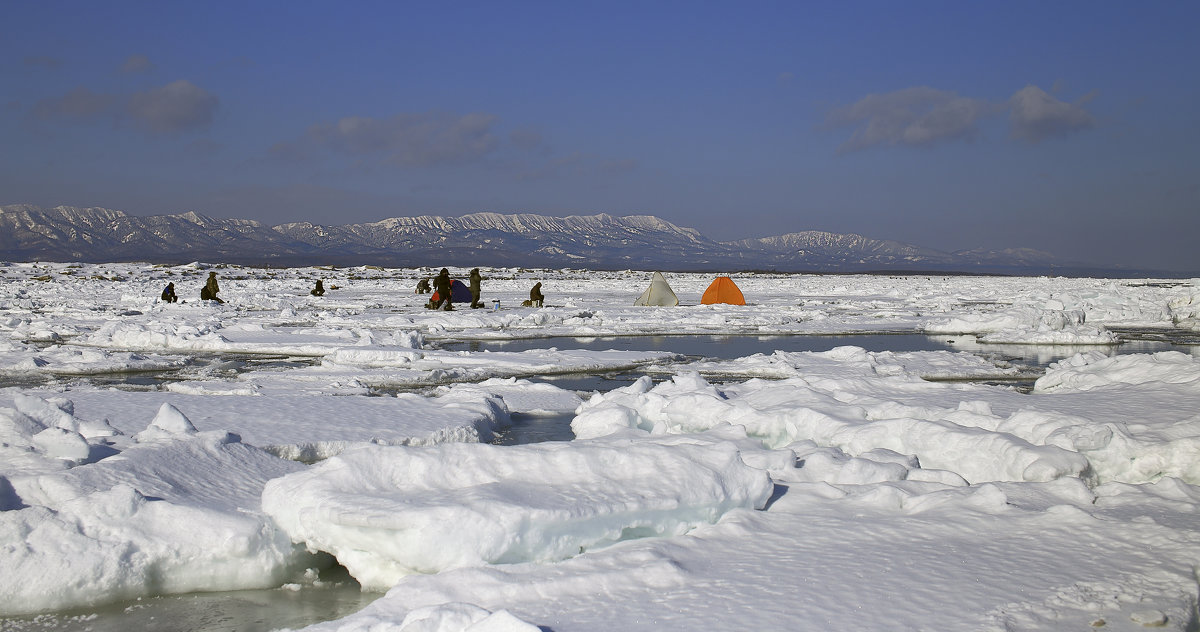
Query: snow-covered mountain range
x: 592, y: 241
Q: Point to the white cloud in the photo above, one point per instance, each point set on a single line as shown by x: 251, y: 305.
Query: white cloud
x: 178, y: 106
x: 912, y: 116
x: 1036, y: 116
x: 407, y: 139
x: 925, y: 116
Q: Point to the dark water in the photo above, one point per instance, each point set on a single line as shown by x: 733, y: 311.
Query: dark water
x: 526, y: 429
x: 196, y: 366
x: 1042, y: 356
x: 721, y: 347
x: 1034, y: 357
x: 695, y: 347
x: 736, y: 346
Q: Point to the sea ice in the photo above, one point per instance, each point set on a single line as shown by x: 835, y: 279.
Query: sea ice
x: 387, y: 512
x: 168, y: 516
x: 842, y: 489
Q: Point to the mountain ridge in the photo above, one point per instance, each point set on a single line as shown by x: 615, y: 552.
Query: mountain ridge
x: 66, y: 233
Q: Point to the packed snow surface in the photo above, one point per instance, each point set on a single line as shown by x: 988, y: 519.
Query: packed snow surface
x: 149, y: 448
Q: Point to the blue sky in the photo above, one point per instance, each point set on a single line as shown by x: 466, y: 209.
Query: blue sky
x: 1070, y: 127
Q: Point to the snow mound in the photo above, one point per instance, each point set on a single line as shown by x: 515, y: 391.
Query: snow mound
x: 444, y: 617
x: 460, y: 617
x: 520, y: 396
x: 1084, y: 372
x: 388, y: 512
x: 1025, y: 325
x: 788, y: 411
x: 1141, y: 449
x: 44, y: 435
x: 193, y: 337
x: 158, y: 518
x: 167, y: 424
x: 1185, y: 311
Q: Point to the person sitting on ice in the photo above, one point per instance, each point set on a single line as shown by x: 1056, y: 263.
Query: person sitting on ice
x: 423, y: 287
x: 168, y: 294
x: 535, y: 296
x: 319, y: 290
x: 210, y: 289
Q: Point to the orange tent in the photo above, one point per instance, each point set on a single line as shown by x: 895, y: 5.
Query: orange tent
x: 723, y: 290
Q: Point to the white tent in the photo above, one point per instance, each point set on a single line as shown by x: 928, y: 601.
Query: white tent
x: 658, y: 294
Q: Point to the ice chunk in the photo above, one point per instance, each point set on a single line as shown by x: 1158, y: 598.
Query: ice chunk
x: 62, y: 444
x: 1084, y: 372
x: 780, y: 413
x: 168, y: 423
x: 1026, y: 325
x: 462, y: 617
x: 387, y: 512
x: 47, y: 414
x: 162, y: 517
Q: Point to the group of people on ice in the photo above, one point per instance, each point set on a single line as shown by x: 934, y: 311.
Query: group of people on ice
x: 211, y: 288
x: 207, y: 293
x: 722, y: 290
x: 442, y: 288
x: 443, y: 291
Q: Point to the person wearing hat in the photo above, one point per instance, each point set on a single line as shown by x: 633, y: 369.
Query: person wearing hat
x: 441, y: 287
x: 210, y: 289
x: 476, y: 279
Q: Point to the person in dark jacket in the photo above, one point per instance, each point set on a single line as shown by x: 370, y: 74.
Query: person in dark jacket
x: 441, y: 286
x: 168, y: 295
x: 319, y: 290
x: 210, y: 289
x: 535, y: 295
x: 476, y: 279
x: 423, y: 287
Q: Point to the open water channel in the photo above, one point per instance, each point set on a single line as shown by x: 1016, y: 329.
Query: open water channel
x: 1035, y: 358
x: 337, y: 595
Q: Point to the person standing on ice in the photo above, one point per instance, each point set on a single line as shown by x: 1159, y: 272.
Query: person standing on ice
x: 168, y: 295
x: 441, y: 286
x: 535, y: 295
x: 210, y: 289
x: 476, y: 279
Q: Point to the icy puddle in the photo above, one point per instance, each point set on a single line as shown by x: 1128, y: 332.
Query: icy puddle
x: 527, y: 428
x: 240, y: 611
